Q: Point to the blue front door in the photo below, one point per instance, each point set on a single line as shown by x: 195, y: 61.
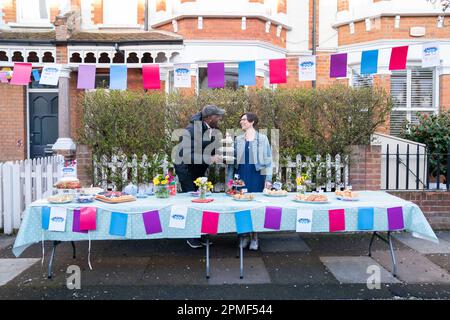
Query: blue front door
x: 43, y: 123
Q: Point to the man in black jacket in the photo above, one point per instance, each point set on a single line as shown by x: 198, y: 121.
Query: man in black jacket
x: 195, y: 161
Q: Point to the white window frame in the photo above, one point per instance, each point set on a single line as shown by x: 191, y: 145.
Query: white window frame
x: 409, y: 110
x: 109, y: 22
x: 23, y: 4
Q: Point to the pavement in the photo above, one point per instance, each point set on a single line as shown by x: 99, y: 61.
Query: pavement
x: 288, y: 266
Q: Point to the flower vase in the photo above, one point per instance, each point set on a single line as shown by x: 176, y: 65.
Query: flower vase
x: 202, y: 194
x: 162, y: 192
x: 301, y: 189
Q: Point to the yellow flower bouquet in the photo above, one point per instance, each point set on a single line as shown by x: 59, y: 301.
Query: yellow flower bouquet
x: 203, y: 186
x: 161, y: 183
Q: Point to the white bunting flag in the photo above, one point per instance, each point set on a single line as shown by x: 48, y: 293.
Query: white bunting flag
x: 50, y: 75
x: 178, y: 217
x: 58, y: 217
x: 307, y: 68
x: 430, y: 55
x: 182, y: 76
x: 304, y: 220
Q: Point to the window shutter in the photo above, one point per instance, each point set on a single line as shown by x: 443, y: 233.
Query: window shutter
x: 421, y: 88
x: 397, y: 120
x: 362, y: 81
x: 398, y: 89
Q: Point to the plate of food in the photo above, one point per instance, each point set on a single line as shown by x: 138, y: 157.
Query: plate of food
x: 68, y: 183
x: 347, y: 195
x: 244, y: 197
x: 312, y: 198
x: 60, y: 198
x: 92, y: 191
x: 275, y: 193
x: 114, y: 197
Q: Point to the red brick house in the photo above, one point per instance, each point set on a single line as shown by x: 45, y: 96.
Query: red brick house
x: 37, y: 120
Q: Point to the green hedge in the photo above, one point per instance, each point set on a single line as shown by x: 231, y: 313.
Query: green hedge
x: 311, y: 121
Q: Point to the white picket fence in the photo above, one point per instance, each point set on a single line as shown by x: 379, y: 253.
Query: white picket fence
x: 332, y: 172
x: 22, y: 182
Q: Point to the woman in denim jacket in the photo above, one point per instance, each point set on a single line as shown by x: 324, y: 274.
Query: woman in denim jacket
x: 253, y: 163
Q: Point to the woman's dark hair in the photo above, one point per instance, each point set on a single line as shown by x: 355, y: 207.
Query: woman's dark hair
x: 251, y: 117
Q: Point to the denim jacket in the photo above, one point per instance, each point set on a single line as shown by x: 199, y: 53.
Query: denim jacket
x: 261, y: 155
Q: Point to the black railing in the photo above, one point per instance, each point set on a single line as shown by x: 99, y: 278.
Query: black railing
x: 427, y: 172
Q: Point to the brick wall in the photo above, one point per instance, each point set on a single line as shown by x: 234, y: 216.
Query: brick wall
x: 444, y: 84
x: 213, y: 28
x: 97, y: 11
x: 13, y: 142
x: 9, y: 11
x: 383, y: 28
x: 365, y: 168
x: 84, y: 165
x: 434, y: 204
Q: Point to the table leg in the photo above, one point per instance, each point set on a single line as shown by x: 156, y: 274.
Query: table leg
x: 207, y: 257
x: 394, y: 263
x: 74, y: 250
x: 391, y: 249
x: 241, y: 256
x: 371, y: 242
x: 50, y: 264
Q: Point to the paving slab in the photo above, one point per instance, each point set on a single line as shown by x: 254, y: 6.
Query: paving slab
x: 354, y: 269
x: 6, y: 241
x: 293, y: 243
x: 226, y: 271
x: 297, y: 268
x: 423, y: 246
x: 11, y: 268
x: 413, y: 267
x: 443, y: 235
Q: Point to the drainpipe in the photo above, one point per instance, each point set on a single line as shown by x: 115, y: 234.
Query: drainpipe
x: 146, y: 15
x: 314, y: 13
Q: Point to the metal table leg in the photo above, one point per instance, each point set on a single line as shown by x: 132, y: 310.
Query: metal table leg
x: 371, y: 242
x: 391, y: 249
x: 207, y: 257
x: 50, y: 264
x: 241, y: 256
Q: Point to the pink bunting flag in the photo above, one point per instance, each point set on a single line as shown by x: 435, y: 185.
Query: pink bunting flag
x: 398, y: 58
x: 150, y: 76
x: 88, y: 217
x: 337, y: 220
x: 210, y: 222
x: 277, y: 70
x: 22, y: 73
x: 76, y: 222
